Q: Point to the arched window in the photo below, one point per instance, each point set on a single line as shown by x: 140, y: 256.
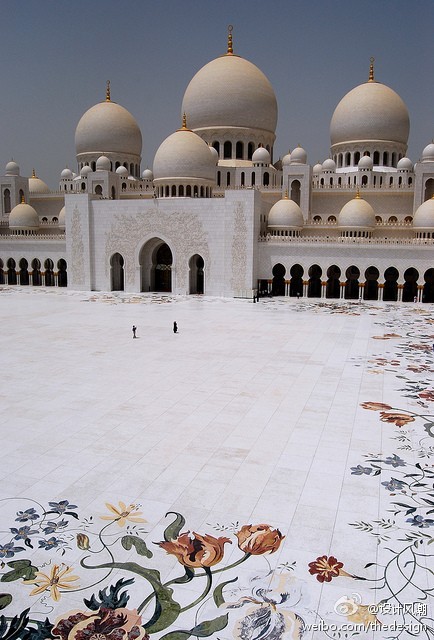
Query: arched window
x: 385, y: 159
x: 188, y: 191
x: 376, y: 157
x: 347, y: 159
x: 166, y: 192
x: 93, y: 166
x: 243, y: 178
x: 295, y: 191
x: 266, y: 179
x: 83, y: 186
x: 250, y: 150
x: 173, y: 191
x: 253, y: 179
x: 216, y: 145
x: 98, y: 190
x: 228, y: 178
x: 356, y: 157
x: 6, y: 201
x: 239, y: 150
x: 181, y: 191
x: 429, y: 189
x: 219, y: 178
x: 393, y: 163
x: 227, y: 150
x: 364, y: 181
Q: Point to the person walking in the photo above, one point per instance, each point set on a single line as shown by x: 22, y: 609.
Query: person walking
x: 134, y: 331
x: 175, y: 327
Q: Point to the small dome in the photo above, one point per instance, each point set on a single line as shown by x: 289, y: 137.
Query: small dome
x: 428, y: 153
x: 357, y: 214
x: 424, y: 216
x: 85, y: 170
x: 147, y: 175
x: 329, y: 165
x: 214, y: 153
x: 286, y: 160
x: 405, y: 164
x: 61, y: 218
x: 299, y: 156
x: 365, y: 162
x: 23, y: 217
x: 184, y: 155
x: 12, y: 169
x: 103, y: 164
x: 122, y: 171
x: 285, y: 214
x: 66, y: 174
x: 36, y: 185
x: 317, y: 168
x: 261, y: 156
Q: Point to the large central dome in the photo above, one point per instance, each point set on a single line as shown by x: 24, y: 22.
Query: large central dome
x: 230, y: 92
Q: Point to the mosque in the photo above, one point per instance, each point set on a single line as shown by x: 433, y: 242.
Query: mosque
x: 218, y: 214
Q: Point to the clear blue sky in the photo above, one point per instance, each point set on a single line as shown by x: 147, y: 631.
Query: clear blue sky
x: 56, y: 56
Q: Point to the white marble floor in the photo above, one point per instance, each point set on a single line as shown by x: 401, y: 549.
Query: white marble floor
x: 266, y: 473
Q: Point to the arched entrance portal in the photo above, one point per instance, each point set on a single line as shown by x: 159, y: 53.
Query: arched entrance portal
x: 117, y: 272
x: 156, y: 266
x: 196, y: 265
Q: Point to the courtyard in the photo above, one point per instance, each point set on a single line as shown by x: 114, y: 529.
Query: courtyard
x: 265, y: 473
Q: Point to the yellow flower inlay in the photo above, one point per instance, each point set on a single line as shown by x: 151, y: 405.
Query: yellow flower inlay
x: 124, y: 514
x: 59, y: 578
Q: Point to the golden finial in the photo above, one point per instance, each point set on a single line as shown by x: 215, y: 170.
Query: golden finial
x: 184, y: 120
x: 230, y: 50
x: 371, y: 70
x: 23, y: 201
x: 33, y: 173
x: 358, y: 196
x: 286, y: 196
x: 107, y: 92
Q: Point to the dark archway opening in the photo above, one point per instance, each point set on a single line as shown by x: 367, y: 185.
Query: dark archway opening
x: 62, y: 273
x: 428, y: 287
x: 390, y: 289
x: 371, y: 283
x: 333, y: 289
x: 409, y: 292
x: 296, y: 282
x: 197, y: 266
x: 278, y: 284
x: 117, y: 275
x: 352, y: 283
x: 314, y: 287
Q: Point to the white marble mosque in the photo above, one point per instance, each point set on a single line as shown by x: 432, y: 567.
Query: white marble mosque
x: 218, y: 214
